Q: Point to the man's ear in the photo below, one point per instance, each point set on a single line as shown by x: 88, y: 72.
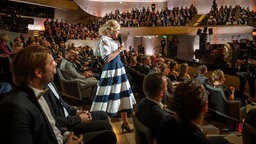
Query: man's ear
x: 38, y: 73
x: 162, y: 93
x: 205, y: 108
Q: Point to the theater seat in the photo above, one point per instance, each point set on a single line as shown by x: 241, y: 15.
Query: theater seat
x: 73, y: 90
x: 230, y: 111
x: 143, y: 134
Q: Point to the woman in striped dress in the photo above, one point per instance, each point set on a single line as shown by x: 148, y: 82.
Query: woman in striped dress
x: 114, y: 94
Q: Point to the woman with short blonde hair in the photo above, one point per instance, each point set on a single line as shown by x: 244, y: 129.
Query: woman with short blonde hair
x: 218, y: 80
x: 114, y: 94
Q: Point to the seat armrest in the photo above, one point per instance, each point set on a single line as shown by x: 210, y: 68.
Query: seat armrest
x: 84, y: 86
x: 234, y: 109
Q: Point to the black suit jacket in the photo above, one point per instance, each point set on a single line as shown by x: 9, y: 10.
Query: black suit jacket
x: 169, y: 131
x: 145, y: 69
x: 193, y: 135
x: 24, y: 121
x: 73, y: 122
x: 150, y: 114
x: 56, y: 106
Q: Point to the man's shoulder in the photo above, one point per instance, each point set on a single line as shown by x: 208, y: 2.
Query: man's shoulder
x: 63, y: 63
x: 63, y: 60
x: 16, y: 97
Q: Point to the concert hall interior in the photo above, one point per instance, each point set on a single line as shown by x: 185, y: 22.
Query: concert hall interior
x: 220, y: 34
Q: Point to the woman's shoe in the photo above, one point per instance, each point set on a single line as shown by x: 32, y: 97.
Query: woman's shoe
x: 124, y: 127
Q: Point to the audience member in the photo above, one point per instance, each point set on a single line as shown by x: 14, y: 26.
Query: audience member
x: 163, y: 68
x: 201, y: 74
x: 4, y: 48
x: 146, y: 68
x: 79, y: 121
x: 150, y: 110
x: 173, y: 74
x: 70, y: 72
x: 23, y: 39
x: 133, y: 61
x: 218, y: 80
x: 190, y: 104
x: 25, y: 119
x: 183, y: 71
x: 18, y: 45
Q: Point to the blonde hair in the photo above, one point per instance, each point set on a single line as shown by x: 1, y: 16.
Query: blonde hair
x: 133, y: 60
x: 183, y: 69
x: 4, y: 37
x: 18, y: 44
x: 108, y: 28
x: 160, y: 67
x: 217, y: 75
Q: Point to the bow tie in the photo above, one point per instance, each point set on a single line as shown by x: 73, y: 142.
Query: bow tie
x: 41, y: 93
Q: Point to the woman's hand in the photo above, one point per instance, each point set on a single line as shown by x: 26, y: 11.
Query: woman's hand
x: 121, y: 48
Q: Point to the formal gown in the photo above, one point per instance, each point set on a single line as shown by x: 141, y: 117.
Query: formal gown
x: 114, y: 93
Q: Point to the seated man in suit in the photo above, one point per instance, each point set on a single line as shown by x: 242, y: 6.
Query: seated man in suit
x: 146, y: 68
x: 25, y: 121
x: 150, y: 110
x: 69, y: 71
x: 73, y: 119
x: 29, y: 118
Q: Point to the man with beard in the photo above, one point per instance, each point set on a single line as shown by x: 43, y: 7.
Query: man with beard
x: 28, y: 119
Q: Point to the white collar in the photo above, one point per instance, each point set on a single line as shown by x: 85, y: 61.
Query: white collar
x: 158, y: 103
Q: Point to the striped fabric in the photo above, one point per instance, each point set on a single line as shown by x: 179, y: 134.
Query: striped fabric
x: 114, y: 93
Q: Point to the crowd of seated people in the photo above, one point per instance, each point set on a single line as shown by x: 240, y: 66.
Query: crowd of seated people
x: 228, y: 15
x: 54, y: 49
x: 62, y: 31
x: 178, y: 16
x: 42, y: 110
x: 84, y: 56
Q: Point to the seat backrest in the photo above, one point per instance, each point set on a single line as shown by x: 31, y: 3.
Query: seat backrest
x: 68, y: 88
x: 143, y: 134
x: 248, y: 134
x: 218, y: 103
x: 5, y: 72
